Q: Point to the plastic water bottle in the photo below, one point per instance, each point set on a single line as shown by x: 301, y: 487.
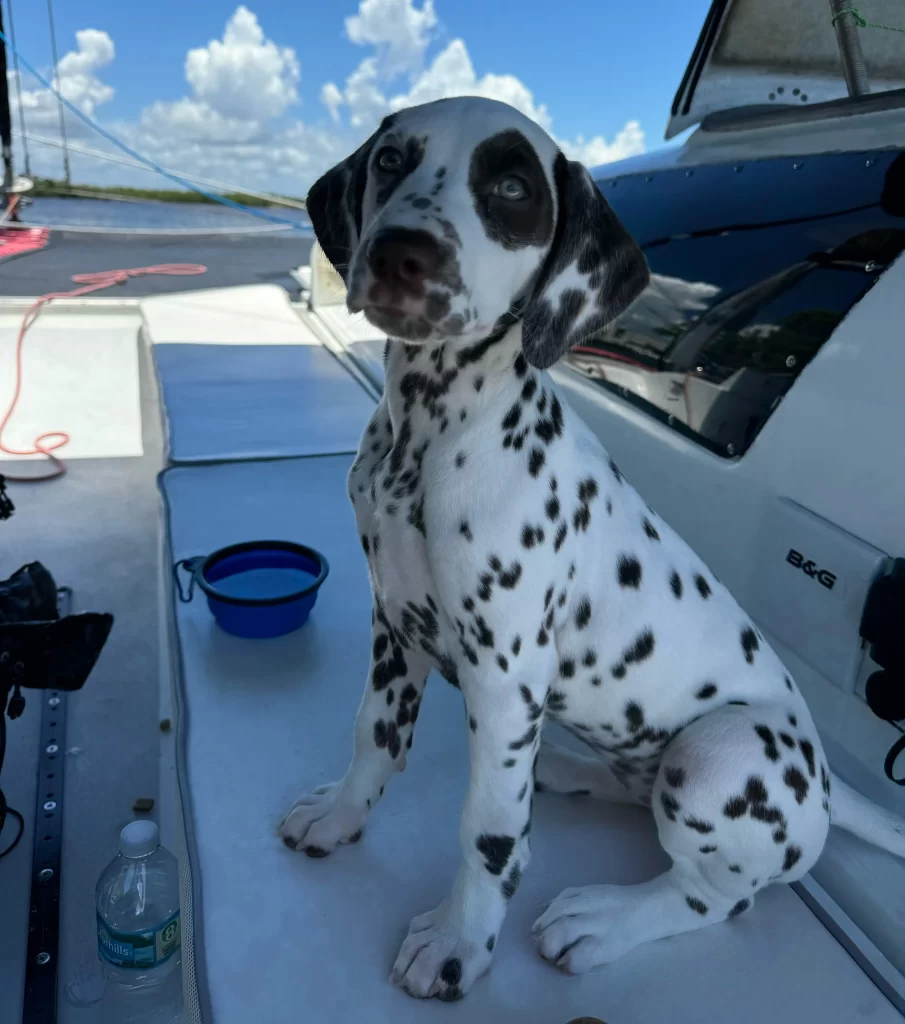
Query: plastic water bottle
x: 138, y: 929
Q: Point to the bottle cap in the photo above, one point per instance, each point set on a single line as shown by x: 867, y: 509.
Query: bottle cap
x: 139, y: 838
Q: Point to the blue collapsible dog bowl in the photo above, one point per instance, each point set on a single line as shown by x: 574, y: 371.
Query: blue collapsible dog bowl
x: 259, y: 589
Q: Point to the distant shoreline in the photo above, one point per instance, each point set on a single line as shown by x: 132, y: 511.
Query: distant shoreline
x: 47, y: 188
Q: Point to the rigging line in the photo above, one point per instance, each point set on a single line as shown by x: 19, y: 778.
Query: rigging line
x: 110, y: 137
x: 56, y: 71
x: 12, y: 36
x: 99, y: 154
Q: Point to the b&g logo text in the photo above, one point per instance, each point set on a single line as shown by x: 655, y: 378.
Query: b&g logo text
x: 811, y: 569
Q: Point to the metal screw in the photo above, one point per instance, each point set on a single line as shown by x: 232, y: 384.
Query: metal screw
x: 869, y: 163
x: 738, y: 168
x: 52, y: 748
x: 45, y: 874
x: 791, y: 361
x: 54, y: 702
x: 50, y: 805
x: 870, y: 266
x: 730, y: 448
x: 671, y: 421
x: 689, y: 174
x: 772, y: 95
x: 42, y: 958
x: 797, y: 165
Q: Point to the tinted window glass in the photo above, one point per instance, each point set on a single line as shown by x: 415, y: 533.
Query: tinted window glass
x: 752, y: 269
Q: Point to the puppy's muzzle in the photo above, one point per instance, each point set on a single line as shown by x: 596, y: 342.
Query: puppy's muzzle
x: 403, y: 260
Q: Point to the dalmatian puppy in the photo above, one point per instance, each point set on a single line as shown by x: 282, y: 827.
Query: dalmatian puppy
x: 507, y: 551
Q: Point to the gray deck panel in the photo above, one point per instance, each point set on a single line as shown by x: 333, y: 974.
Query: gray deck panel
x: 230, y: 402
x: 231, y: 260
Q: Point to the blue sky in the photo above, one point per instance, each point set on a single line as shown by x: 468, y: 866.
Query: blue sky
x: 584, y: 69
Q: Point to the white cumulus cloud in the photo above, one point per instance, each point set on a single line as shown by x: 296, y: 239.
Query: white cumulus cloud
x: 236, y: 121
x: 244, y: 75
x: 399, y: 31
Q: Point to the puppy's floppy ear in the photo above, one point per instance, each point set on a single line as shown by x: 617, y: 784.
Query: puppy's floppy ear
x: 334, y: 205
x: 592, y: 274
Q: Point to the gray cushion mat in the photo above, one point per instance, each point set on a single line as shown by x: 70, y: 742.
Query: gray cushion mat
x: 228, y: 402
x: 282, y: 938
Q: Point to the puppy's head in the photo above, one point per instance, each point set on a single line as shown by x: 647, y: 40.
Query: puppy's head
x: 460, y: 213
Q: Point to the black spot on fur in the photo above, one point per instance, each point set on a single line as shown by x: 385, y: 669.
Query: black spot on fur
x: 707, y: 691
x: 567, y: 668
x: 675, y: 582
x: 491, y: 942
x: 523, y: 741
x: 669, y: 804
x: 794, y: 779
x: 496, y: 851
x: 787, y: 740
x: 707, y: 849
x: 536, y: 461
x: 789, y: 684
x: 516, y: 646
x: 502, y: 662
x: 737, y: 807
x: 792, y: 857
x: 589, y: 658
x: 583, y: 613
x: 755, y: 790
x: 560, y: 536
x: 739, y: 908
x: 793, y: 721
x: 649, y: 529
x: 807, y: 749
x: 509, y: 887
x: 703, y: 827
x: 465, y: 530
x: 634, y: 716
x: 702, y: 585
x: 629, y: 571
x: 750, y: 644
x: 736, y: 869
x: 696, y: 905
x: 451, y: 972
x: 460, y: 459
x: 472, y: 723
x: 770, y: 749
x: 675, y: 777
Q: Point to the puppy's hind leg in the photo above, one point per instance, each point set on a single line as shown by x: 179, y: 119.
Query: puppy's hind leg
x: 560, y: 770
x: 739, y: 804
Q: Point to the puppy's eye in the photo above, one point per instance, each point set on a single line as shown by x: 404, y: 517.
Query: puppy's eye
x: 389, y: 159
x: 511, y: 188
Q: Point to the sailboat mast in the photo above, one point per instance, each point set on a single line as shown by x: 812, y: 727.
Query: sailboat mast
x: 6, y: 128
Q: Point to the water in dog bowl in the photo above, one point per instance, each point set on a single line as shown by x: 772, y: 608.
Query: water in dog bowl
x: 264, y: 583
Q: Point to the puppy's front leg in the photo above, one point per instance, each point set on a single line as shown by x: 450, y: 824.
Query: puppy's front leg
x: 336, y: 813
x: 448, y: 948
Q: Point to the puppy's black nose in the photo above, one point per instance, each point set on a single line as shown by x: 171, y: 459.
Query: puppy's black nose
x: 404, y: 258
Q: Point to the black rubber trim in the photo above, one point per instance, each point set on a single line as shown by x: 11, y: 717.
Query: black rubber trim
x: 39, y: 1005
x: 699, y: 57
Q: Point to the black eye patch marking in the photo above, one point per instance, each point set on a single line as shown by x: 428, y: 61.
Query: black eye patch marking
x: 412, y: 152
x: 513, y: 223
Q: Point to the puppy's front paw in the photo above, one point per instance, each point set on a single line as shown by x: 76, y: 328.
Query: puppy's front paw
x: 585, y: 928
x: 320, y: 821
x: 439, y: 959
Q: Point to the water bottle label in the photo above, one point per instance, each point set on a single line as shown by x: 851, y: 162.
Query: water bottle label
x: 141, y: 950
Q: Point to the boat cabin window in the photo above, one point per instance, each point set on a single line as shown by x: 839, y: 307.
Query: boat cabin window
x: 746, y: 287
